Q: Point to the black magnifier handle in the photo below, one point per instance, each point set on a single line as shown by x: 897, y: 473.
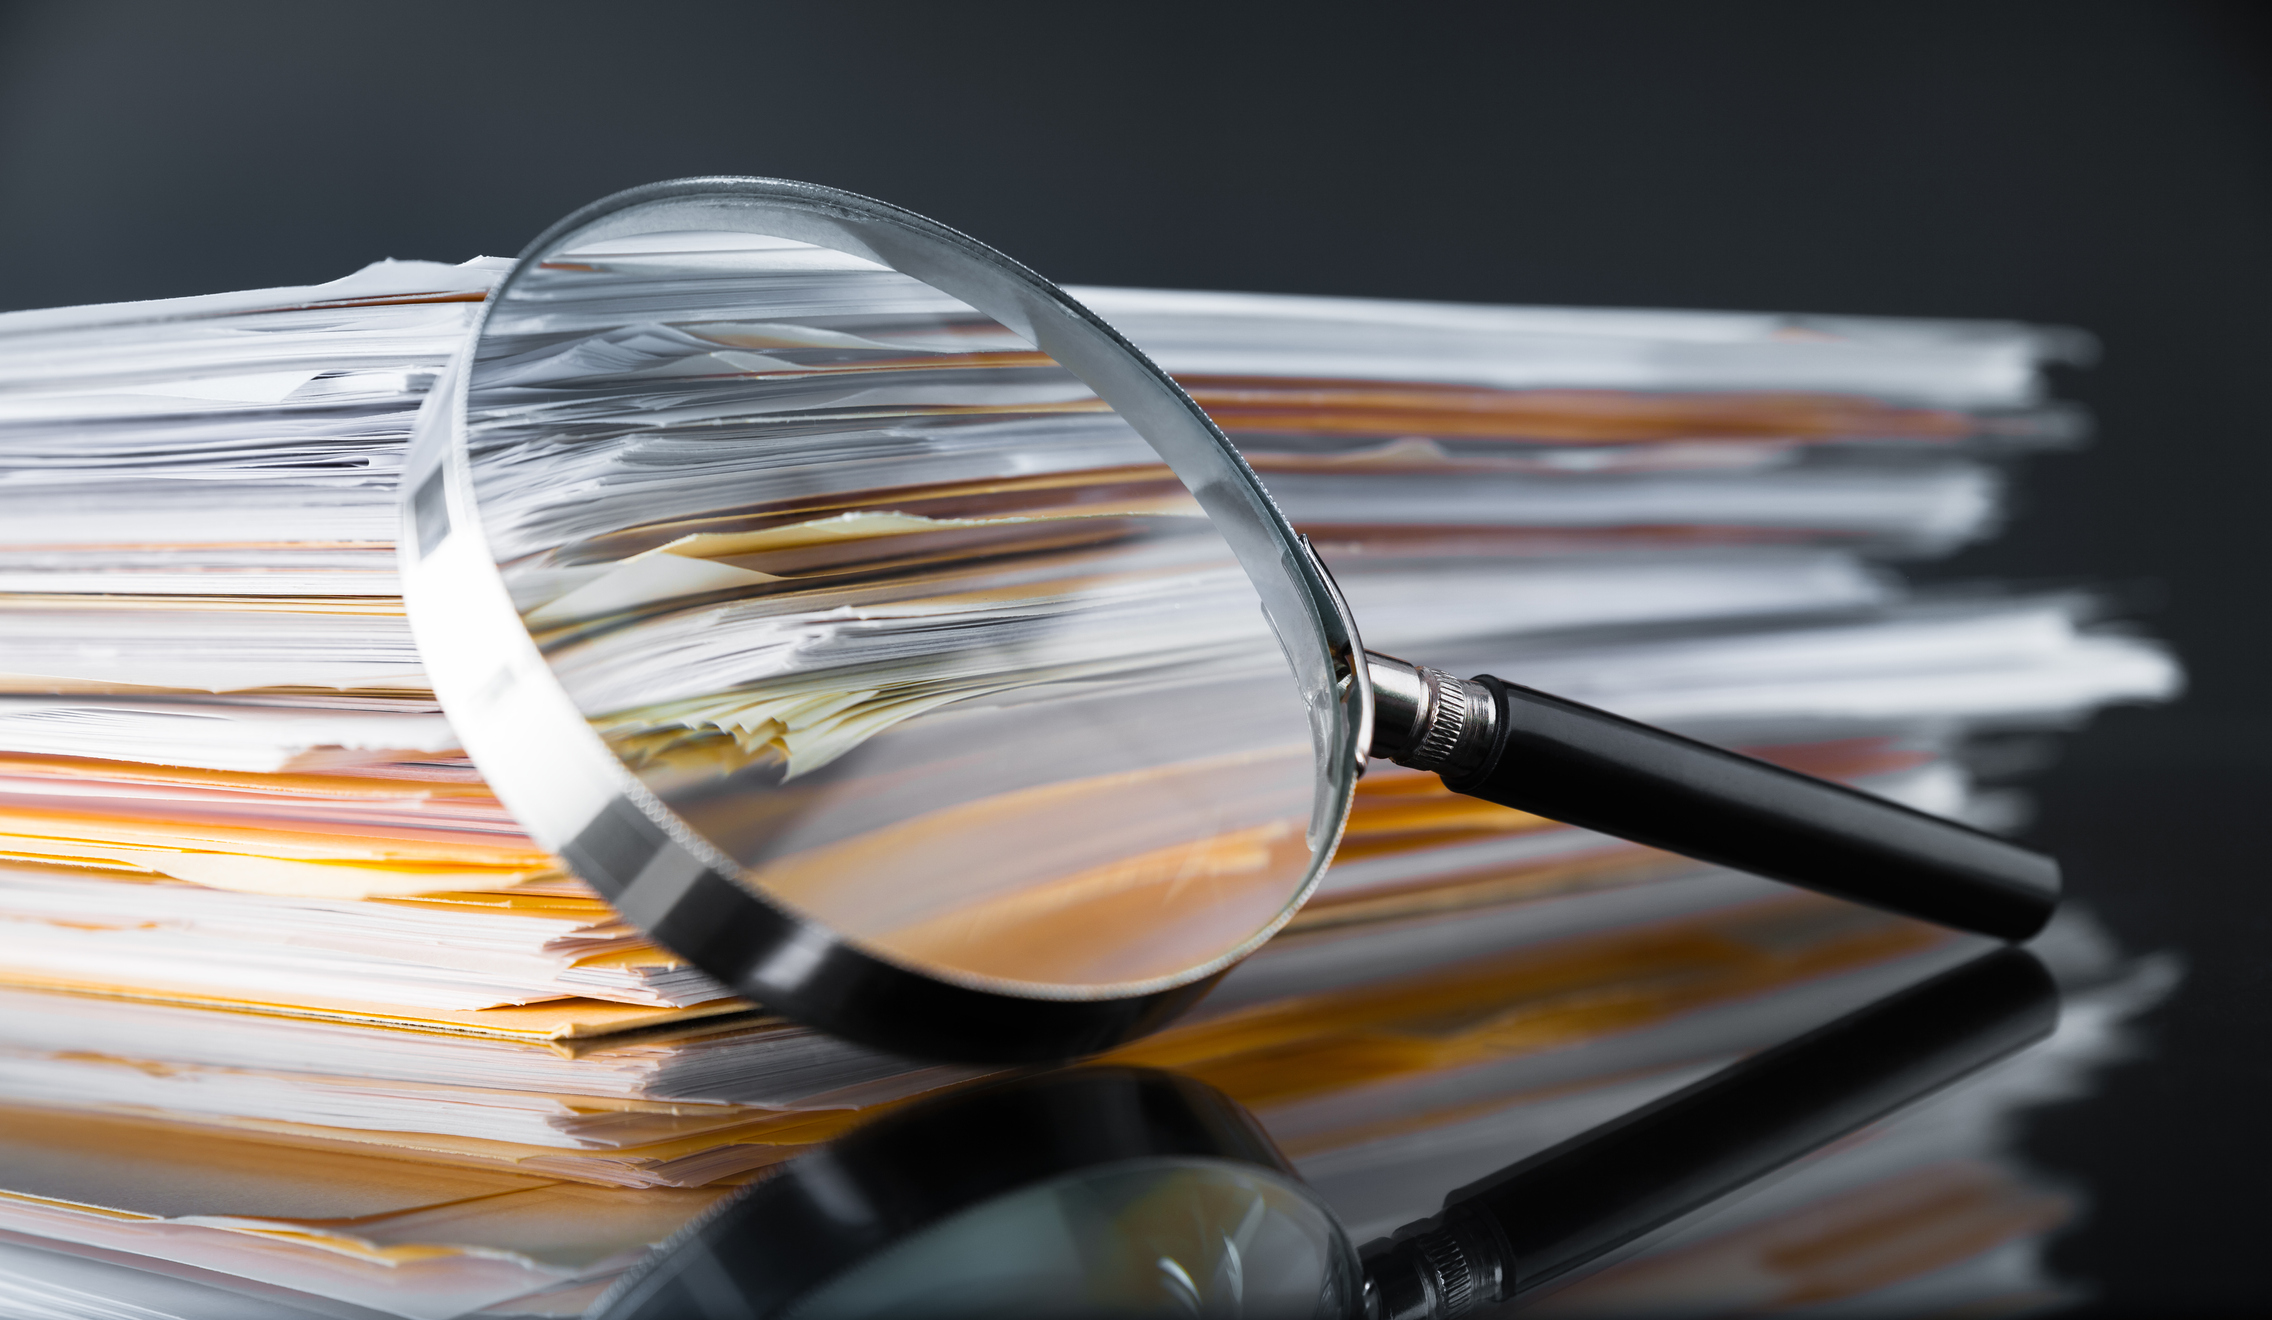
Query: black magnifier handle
x: 1570, y: 1205
x: 1522, y: 748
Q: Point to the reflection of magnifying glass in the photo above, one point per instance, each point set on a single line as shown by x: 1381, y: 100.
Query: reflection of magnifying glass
x: 1120, y: 1191
x: 885, y: 635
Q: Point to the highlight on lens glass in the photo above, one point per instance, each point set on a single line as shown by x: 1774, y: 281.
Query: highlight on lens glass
x: 883, y: 633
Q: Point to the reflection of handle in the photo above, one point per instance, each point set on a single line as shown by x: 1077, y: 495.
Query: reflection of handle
x: 1578, y: 1201
x: 1525, y: 749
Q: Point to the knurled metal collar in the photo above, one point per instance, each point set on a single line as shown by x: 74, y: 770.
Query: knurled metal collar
x: 1455, y: 1281
x: 1460, y: 717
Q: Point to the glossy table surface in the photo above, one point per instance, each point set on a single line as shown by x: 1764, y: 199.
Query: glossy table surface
x: 1863, y: 1164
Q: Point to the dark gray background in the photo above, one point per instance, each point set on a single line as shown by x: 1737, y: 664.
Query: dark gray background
x: 2095, y: 164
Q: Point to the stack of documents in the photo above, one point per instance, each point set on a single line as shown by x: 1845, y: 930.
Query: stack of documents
x: 263, y: 927
x: 1688, y: 518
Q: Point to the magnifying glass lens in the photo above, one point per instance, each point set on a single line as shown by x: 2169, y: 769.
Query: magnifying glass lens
x: 885, y: 613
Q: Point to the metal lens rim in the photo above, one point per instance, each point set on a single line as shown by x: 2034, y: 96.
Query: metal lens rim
x: 576, y: 799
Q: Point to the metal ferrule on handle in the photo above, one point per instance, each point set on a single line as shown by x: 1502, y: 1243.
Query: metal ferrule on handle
x: 1426, y: 719
x: 1540, y: 753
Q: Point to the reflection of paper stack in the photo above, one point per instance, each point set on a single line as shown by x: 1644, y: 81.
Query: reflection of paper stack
x: 1389, y: 1093
x: 1391, y: 1062
x: 255, y: 902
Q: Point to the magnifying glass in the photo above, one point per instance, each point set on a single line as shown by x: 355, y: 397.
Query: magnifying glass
x: 1132, y: 1192
x: 885, y: 635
